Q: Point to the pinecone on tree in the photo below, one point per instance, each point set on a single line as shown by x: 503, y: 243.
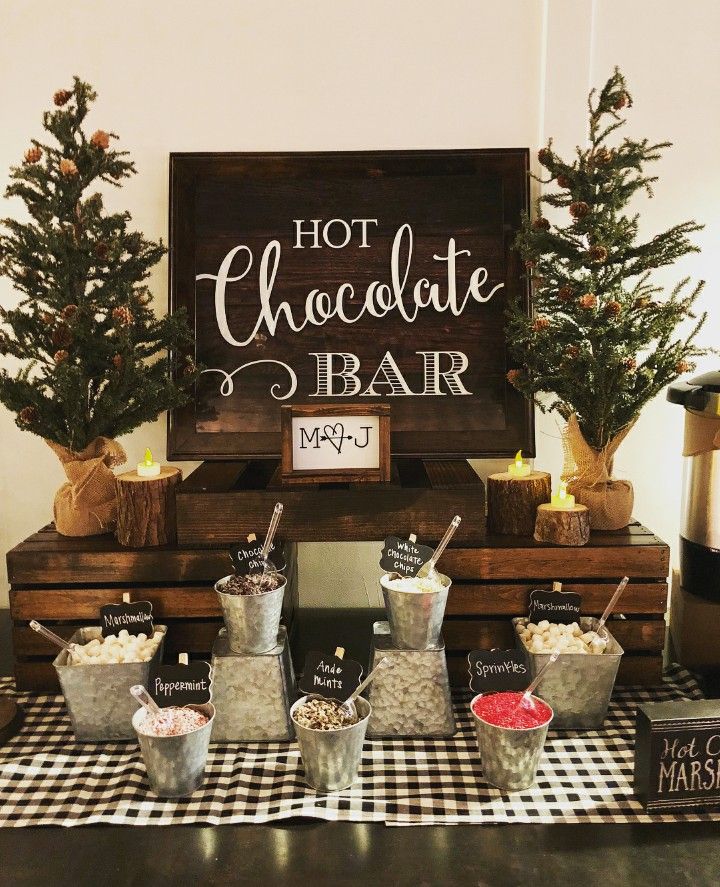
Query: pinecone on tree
x: 68, y: 167
x: 100, y: 139
x: 60, y: 356
x: 62, y: 336
x: 33, y: 155
x: 69, y: 311
x: 62, y: 97
x: 122, y: 315
x: 579, y: 209
x: 588, y: 301
x: 28, y: 416
x: 613, y: 308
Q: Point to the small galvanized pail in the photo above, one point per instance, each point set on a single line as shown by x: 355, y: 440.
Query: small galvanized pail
x: 510, y: 756
x: 176, y: 764
x: 415, y: 617
x: 332, y: 757
x: 252, y: 620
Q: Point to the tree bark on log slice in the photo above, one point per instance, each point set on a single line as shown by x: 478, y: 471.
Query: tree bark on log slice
x: 570, y: 527
x: 513, y: 501
x: 146, y: 508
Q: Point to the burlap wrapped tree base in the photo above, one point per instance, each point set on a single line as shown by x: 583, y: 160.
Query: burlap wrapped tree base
x: 87, y: 504
x: 589, y: 477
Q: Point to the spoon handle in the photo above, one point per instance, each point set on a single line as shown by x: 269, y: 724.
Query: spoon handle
x: 369, y: 677
x: 51, y: 636
x: 539, y: 676
x: 274, y: 521
x: 442, y: 545
x: 145, y: 699
x: 611, y: 606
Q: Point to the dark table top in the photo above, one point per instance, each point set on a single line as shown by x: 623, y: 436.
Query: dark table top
x: 312, y: 852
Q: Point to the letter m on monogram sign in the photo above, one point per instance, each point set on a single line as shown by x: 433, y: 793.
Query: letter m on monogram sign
x: 350, y: 279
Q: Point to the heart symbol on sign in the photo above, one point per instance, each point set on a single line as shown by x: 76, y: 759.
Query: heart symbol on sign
x: 335, y: 434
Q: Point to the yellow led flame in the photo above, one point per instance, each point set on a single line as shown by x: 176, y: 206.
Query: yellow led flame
x: 148, y: 456
x: 519, y: 459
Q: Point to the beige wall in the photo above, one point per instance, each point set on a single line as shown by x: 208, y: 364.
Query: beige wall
x: 239, y: 75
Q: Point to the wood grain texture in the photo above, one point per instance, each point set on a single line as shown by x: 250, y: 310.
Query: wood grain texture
x: 146, y: 508
x: 559, y: 527
x: 512, y: 502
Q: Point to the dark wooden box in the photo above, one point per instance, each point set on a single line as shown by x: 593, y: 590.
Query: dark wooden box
x: 64, y: 581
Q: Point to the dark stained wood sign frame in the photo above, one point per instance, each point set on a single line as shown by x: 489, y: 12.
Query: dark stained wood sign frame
x: 350, y: 277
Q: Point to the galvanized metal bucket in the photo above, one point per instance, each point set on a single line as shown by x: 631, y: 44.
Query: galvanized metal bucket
x: 252, y: 620
x: 176, y: 764
x: 579, y: 685
x: 510, y: 757
x: 252, y: 692
x: 97, y: 695
x: 332, y: 757
x: 415, y: 617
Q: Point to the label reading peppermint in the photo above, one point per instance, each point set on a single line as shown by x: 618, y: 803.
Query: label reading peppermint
x: 180, y: 685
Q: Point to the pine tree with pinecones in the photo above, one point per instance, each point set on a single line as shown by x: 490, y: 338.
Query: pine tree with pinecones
x: 604, y: 340
x: 91, y: 358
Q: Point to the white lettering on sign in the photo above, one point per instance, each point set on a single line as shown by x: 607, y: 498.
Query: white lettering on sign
x: 338, y: 372
x: 327, y: 442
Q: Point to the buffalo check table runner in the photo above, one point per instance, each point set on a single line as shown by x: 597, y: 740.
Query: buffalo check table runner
x: 46, y: 778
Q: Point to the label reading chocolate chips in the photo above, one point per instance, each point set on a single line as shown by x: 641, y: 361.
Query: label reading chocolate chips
x: 135, y: 618
x: 404, y: 556
x: 555, y: 606
x: 246, y: 556
x: 494, y: 670
x: 180, y: 685
x: 329, y: 676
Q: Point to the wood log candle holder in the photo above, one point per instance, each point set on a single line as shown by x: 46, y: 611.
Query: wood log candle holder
x: 146, y: 508
x: 562, y: 527
x: 513, y: 501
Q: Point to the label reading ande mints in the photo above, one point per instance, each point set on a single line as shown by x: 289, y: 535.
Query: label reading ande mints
x: 329, y: 676
x: 555, y: 606
x: 180, y: 685
x: 403, y: 556
x: 494, y: 670
x: 246, y: 557
x: 135, y: 618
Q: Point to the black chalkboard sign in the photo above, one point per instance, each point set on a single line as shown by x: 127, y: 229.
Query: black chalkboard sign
x: 404, y: 556
x: 180, y: 685
x: 330, y: 676
x: 494, y: 670
x: 556, y: 606
x: 135, y: 617
x: 677, y: 755
x: 246, y: 556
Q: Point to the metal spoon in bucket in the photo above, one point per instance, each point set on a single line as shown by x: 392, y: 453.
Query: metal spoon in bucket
x: 428, y: 569
x: 349, y: 706
x: 267, y: 565
x: 72, y: 649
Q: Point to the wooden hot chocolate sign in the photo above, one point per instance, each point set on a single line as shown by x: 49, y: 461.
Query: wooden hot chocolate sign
x: 350, y: 278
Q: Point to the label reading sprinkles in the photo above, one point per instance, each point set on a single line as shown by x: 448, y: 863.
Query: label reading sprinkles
x: 494, y: 670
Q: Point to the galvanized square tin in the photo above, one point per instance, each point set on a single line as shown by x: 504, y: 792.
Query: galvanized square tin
x: 98, y: 695
x: 578, y: 686
x: 411, y: 696
x: 252, y: 692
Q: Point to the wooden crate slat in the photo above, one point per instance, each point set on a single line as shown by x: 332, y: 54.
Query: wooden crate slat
x: 215, y: 476
x: 633, y: 635
x: 448, y: 475
x: 636, y: 561
x: 498, y: 599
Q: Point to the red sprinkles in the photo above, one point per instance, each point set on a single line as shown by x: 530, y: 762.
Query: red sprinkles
x: 504, y: 710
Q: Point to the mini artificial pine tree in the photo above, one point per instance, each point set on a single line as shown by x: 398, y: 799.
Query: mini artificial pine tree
x: 95, y: 361
x: 601, y: 340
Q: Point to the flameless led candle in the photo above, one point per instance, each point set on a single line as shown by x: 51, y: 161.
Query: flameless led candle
x: 562, y: 500
x: 519, y: 468
x: 148, y: 468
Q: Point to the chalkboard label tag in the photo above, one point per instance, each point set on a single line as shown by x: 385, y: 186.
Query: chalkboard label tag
x: 246, y: 556
x: 329, y: 676
x: 556, y: 606
x: 404, y: 556
x: 492, y: 671
x: 180, y: 685
x: 135, y: 618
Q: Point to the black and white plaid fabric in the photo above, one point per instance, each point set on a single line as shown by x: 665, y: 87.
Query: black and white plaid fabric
x: 46, y: 778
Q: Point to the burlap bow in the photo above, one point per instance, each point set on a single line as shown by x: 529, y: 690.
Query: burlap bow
x: 87, y: 504
x: 588, y: 473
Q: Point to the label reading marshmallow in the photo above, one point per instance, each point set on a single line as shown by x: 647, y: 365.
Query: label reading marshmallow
x: 135, y: 618
x: 555, y: 606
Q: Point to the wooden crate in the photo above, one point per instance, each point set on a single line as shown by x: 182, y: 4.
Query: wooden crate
x: 63, y: 582
x: 221, y: 501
